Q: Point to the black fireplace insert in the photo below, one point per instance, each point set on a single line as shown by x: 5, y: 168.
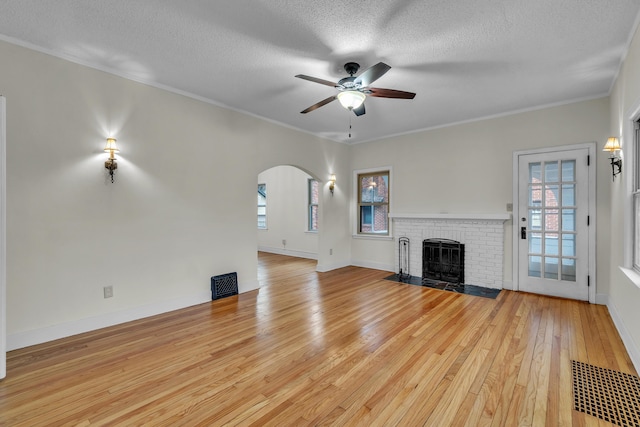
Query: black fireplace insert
x: 443, y: 259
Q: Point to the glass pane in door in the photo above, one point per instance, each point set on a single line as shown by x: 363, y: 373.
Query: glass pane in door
x: 552, y: 220
x: 551, y: 172
x: 568, y: 220
x: 535, y: 264
x: 550, y: 267
x: 568, y: 170
x: 568, y: 194
x: 569, y: 269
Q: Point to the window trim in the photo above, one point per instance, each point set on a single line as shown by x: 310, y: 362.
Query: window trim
x: 355, y: 206
x: 630, y: 151
x: 265, y: 207
x: 628, y: 180
x: 310, y: 205
x: 635, y: 196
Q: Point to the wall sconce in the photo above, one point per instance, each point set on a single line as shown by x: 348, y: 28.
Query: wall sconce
x: 111, y: 148
x: 613, y: 145
x: 332, y: 183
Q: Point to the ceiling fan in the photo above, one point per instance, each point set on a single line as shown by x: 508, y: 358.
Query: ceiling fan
x: 354, y: 90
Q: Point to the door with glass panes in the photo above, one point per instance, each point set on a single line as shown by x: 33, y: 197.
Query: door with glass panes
x: 553, y: 203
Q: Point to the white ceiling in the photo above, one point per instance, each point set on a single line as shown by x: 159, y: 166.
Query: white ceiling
x: 465, y: 59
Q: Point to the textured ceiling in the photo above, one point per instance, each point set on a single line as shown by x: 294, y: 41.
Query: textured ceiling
x: 465, y: 59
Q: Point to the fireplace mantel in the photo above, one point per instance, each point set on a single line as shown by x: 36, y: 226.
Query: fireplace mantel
x: 502, y: 216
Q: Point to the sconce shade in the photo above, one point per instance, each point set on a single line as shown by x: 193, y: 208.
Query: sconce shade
x: 333, y: 178
x: 111, y: 146
x: 351, y: 99
x: 613, y: 144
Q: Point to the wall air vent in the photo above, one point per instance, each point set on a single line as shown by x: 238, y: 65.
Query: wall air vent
x: 224, y: 285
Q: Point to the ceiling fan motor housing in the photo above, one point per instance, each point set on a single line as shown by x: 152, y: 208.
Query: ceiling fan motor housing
x: 348, y: 83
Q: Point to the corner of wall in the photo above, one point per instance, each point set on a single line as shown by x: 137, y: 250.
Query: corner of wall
x: 508, y: 285
x: 374, y: 265
x: 602, y: 299
x: 323, y: 268
x: 288, y: 252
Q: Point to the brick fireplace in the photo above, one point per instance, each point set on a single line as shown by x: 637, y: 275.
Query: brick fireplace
x: 481, y: 234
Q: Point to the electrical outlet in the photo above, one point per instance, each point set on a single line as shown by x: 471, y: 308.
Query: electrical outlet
x: 509, y: 207
x: 330, y: 251
x: 284, y: 242
x: 108, y: 291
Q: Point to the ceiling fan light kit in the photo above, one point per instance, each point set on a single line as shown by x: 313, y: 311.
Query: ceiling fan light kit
x: 351, y: 99
x: 354, y: 90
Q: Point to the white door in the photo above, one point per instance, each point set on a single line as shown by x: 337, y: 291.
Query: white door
x: 552, y: 224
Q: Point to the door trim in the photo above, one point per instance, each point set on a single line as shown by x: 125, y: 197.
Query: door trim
x: 591, y: 173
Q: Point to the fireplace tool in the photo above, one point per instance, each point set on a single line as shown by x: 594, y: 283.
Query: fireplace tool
x: 403, y: 258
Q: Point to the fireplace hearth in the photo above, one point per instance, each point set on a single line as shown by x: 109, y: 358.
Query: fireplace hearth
x: 443, y: 260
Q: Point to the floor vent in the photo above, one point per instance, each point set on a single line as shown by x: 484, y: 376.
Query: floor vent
x: 609, y: 395
x: 224, y: 285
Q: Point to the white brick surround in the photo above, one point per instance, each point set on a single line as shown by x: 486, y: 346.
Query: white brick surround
x: 482, y: 235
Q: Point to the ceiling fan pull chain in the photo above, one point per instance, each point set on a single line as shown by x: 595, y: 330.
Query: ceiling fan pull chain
x: 349, y: 125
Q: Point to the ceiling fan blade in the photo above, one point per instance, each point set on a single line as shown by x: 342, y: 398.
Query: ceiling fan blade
x: 317, y: 80
x: 372, y: 74
x: 360, y: 110
x: 318, y: 104
x: 390, y: 93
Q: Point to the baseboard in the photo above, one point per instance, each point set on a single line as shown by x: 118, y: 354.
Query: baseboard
x: 632, y: 349
x: 288, y: 252
x: 245, y: 286
x: 67, y: 329
x: 602, y: 299
x: 374, y: 265
x: 323, y: 268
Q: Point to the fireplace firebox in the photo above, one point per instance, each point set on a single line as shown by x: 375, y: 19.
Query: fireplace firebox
x: 443, y: 259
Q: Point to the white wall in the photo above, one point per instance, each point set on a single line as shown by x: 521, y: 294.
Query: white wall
x: 467, y: 168
x: 287, y: 212
x: 624, y: 295
x: 182, y: 208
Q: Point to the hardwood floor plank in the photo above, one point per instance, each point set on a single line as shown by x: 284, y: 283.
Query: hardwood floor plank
x: 329, y: 349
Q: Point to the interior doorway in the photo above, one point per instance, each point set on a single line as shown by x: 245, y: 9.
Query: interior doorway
x: 288, y: 212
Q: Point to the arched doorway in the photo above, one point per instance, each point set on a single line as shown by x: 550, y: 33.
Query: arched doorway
x: 288, y: 211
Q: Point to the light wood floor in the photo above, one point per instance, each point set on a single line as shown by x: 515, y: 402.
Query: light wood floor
x: 339, y: 348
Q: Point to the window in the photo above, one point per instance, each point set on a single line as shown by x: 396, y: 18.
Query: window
x: 373, y: 203
x: 262, y: 206
x: 636, y: 198
x: 312, y: 220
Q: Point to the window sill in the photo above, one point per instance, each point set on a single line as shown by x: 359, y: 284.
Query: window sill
x: 311, y: 232
x: 632, y: 275
x: 371, y: 237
